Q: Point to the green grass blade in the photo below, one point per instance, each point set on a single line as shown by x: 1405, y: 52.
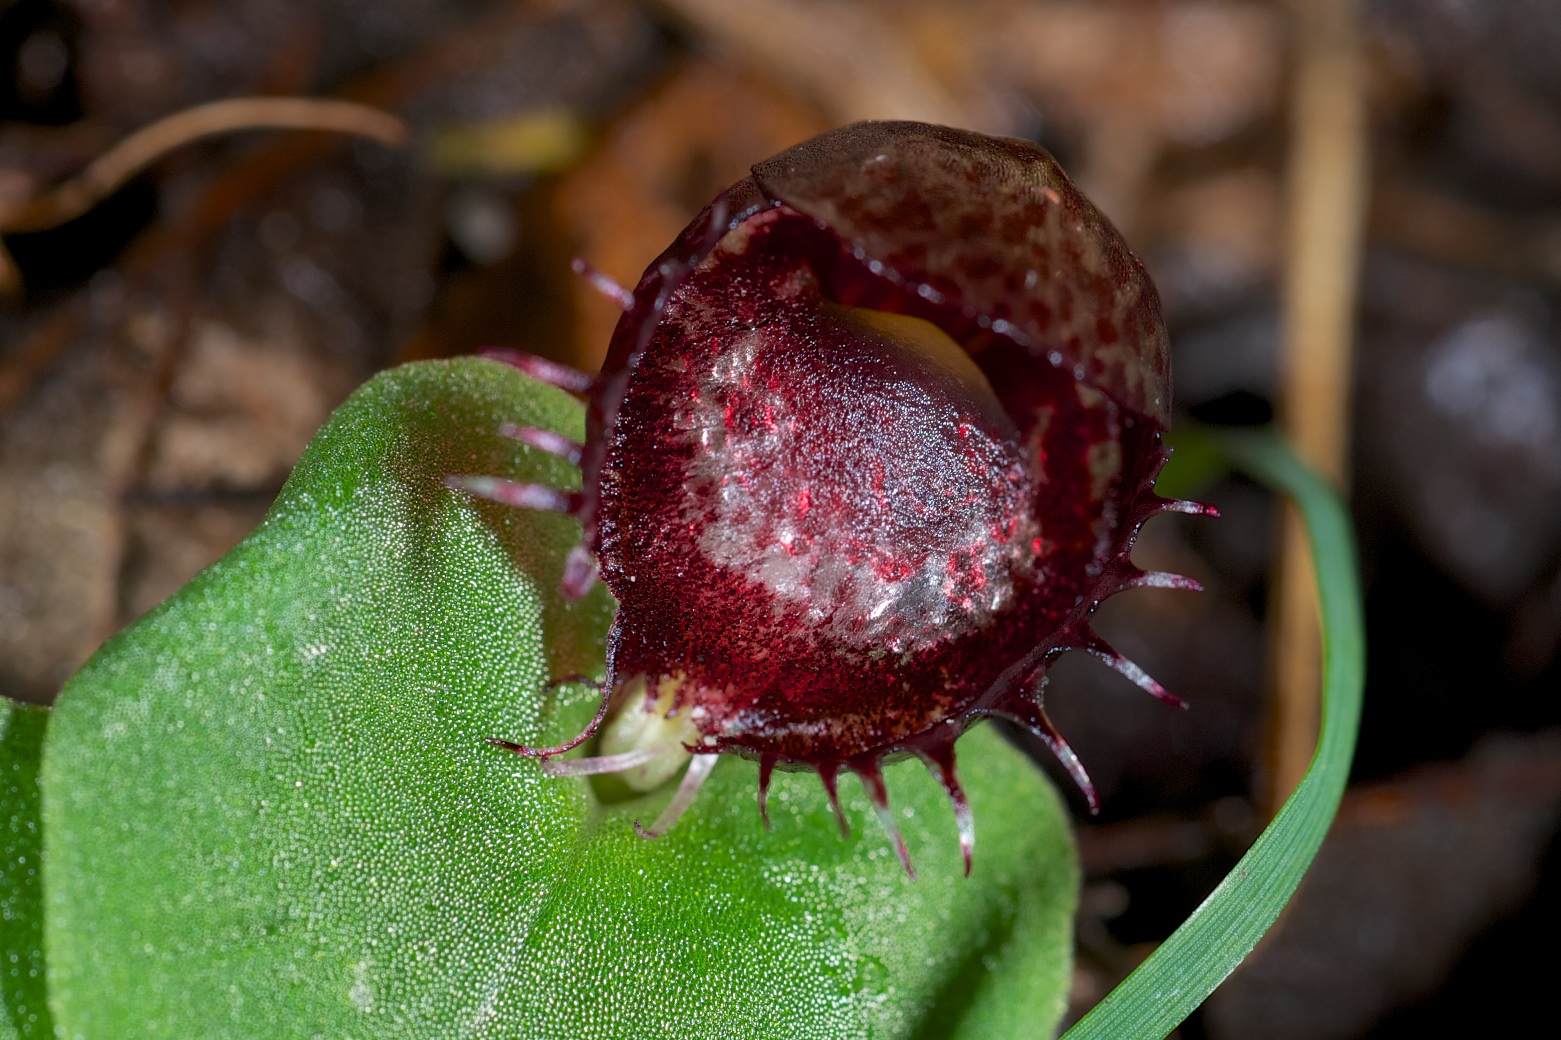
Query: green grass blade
x: 1187, y: 967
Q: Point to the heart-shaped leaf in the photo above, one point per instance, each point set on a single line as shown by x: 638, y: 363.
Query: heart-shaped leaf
x: 270, y: 811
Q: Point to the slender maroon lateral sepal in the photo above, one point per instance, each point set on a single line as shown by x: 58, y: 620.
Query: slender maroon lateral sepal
x: 541, y: 369
x: 871, y: 772
x: 829, y: 774
x: 580, y: 570
x: 939, y: 757
x: 1032, y: 717
x: 1105, y: 652
x: 766, y: 768
x: 1182, y: 505
x: 602, y: 284
x: 544, y: 440
x: 1163, y: 580
x: 872, y: 442
x: 519, y: 495
x: 577, y: 739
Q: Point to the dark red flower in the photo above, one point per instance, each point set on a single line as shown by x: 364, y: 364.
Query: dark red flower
x: 872, y: 442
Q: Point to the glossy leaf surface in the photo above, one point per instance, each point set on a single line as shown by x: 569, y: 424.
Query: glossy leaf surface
x: 271, y: 812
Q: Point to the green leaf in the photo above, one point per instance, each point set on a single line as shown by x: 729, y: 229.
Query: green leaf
x: 270, y: 810
x: 1198, y: 956
x: 24, y: 1010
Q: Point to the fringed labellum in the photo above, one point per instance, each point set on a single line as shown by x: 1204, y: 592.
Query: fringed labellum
x: 872, y: 442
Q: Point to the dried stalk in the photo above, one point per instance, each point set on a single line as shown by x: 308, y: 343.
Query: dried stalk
x: 1328, y: 187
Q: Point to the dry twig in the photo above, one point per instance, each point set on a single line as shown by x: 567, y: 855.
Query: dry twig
x: 113, y: 168
x: 109, y: 172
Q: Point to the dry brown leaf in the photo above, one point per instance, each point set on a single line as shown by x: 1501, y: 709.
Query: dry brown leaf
x: 845, y: 57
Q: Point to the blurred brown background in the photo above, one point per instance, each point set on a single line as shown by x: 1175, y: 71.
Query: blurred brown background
x: 166, y: 356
